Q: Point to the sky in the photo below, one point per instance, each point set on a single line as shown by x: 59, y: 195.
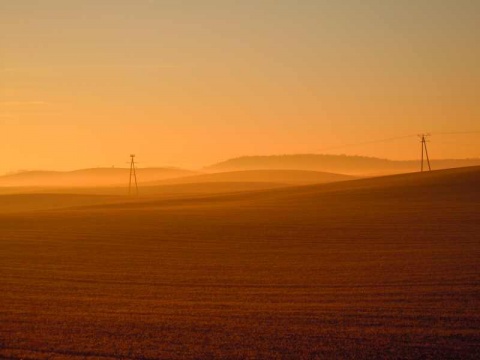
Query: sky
x: 193, y: 82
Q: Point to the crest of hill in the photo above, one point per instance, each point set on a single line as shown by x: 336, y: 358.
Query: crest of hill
x: 89, y: 177
x: 441, y: 187
x: 279, y: 177
x: 353, y: 165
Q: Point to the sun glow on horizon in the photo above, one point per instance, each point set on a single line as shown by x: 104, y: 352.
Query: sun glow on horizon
x: 193, y: 83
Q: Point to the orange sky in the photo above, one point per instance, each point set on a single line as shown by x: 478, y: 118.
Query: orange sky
x: 189, y: 83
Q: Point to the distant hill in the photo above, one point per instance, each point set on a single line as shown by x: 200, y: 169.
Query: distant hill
x: 284, y: 177
x: 89, y: 177
x: 354, y: 165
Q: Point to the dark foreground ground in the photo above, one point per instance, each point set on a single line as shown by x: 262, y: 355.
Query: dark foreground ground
x: 365, y: 269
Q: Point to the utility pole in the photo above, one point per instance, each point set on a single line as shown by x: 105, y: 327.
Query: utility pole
x: 133, y: 174
x: 424, y: 141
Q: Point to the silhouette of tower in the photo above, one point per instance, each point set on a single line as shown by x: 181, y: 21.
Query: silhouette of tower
x: 133, y: 174
x: 423, y: 141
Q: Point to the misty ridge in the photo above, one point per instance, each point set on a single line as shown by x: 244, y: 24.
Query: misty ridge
x: 344, y: 164
x: 296, y: 169
x: 88, y: 177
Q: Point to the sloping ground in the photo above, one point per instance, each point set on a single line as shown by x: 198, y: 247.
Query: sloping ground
x: 8, y: 190
x: 450, y: 183
x: 12, y: 203
x: 206, y: 188
x: 89, y: 177
x: 287, y: 177
x: 373, y: 268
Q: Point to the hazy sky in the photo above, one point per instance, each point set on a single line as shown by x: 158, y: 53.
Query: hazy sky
x: 188, y: 83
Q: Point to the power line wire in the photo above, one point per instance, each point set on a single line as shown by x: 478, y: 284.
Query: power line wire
x: 393, y: 139
x: 367, y: 142
x: 456, y: 133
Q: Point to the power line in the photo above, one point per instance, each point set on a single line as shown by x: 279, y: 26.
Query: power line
x: 395, y: 138
x: 133, y: 174
x: 457, y: 133
x: 367, y: 142
x: 423, y: 140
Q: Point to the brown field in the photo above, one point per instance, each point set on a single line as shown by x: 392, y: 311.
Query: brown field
x: 373, y: 268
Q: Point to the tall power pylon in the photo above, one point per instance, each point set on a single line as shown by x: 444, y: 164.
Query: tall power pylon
x: 423, y: 141
x: 133, y: 174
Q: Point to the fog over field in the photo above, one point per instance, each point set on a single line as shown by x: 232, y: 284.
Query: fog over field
x: 87, y: 177
x: 360, y: 269
x: 352, y: 165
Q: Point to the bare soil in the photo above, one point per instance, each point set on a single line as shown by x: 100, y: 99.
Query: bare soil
x: 376, y: 268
